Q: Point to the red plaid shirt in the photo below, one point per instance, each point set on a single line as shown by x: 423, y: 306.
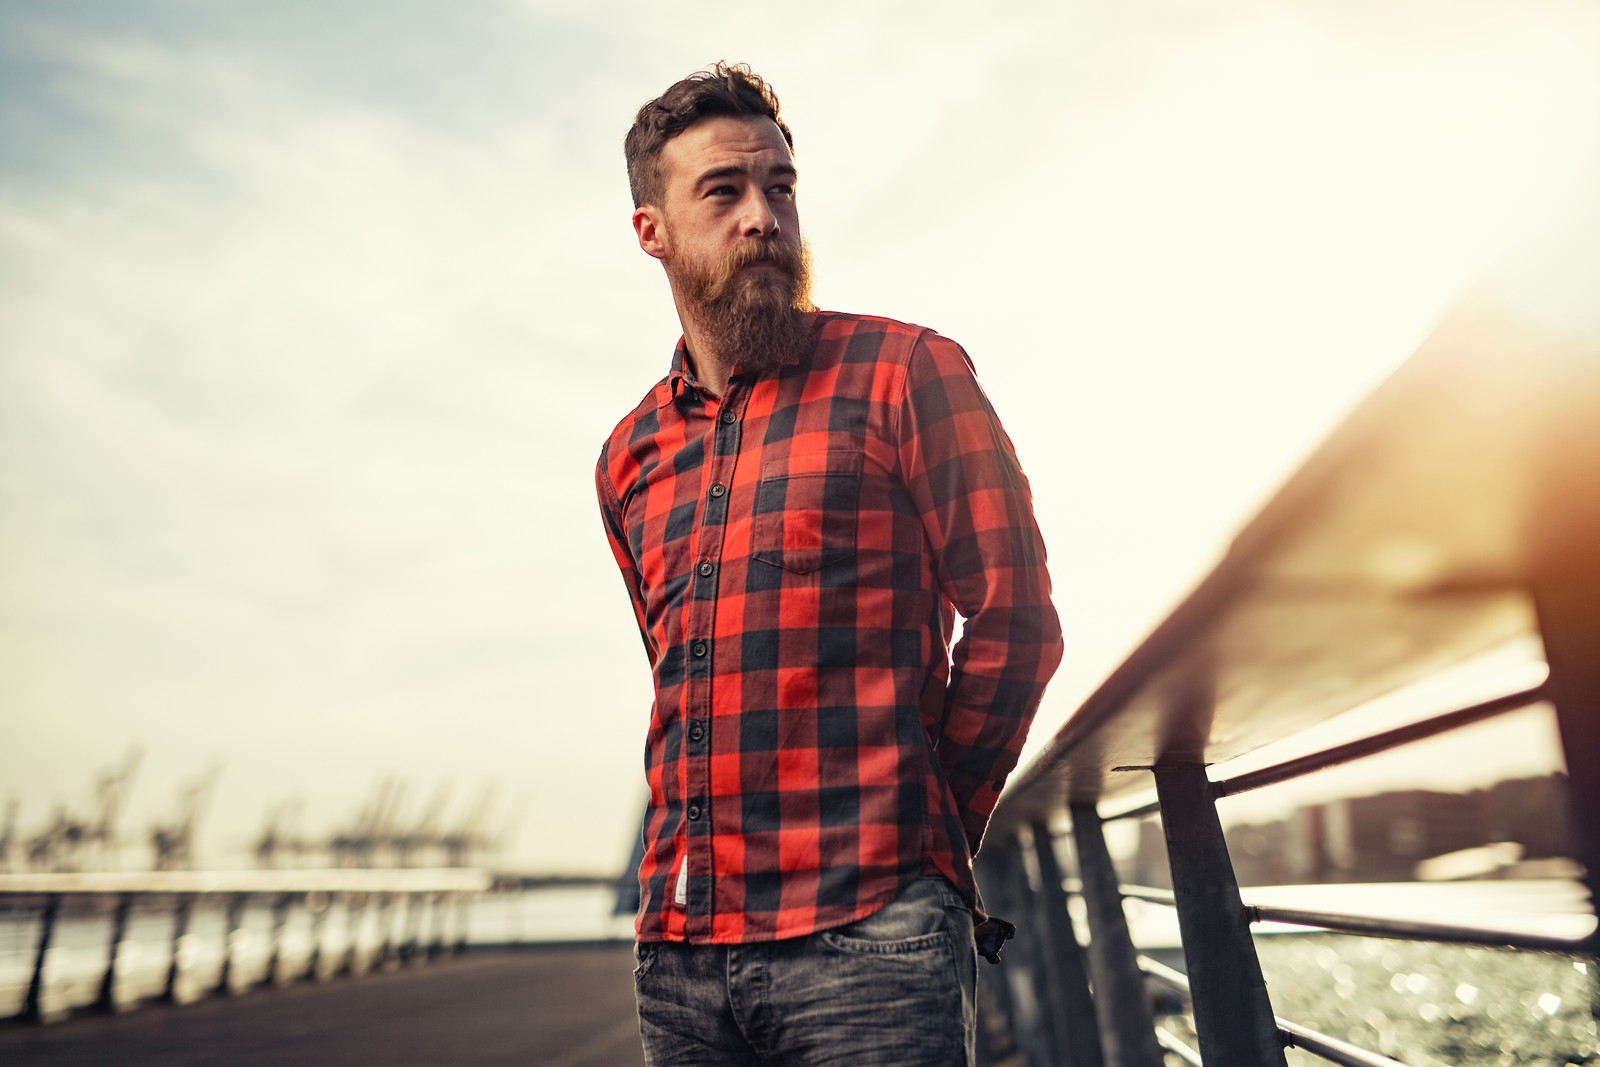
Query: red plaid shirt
x: 796, y: 551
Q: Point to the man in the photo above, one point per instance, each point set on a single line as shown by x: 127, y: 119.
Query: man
x: 799, y: 509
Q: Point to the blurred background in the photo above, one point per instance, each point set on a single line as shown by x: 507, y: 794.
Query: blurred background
x: 313, y: 317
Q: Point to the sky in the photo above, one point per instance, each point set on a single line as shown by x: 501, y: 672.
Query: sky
x: 313, y: 317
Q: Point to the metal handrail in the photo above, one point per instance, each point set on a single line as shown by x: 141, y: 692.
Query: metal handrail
x: 1181, y: 1049
x: 1394, y: 929
x: 1373, y: 744
x: 1149, y: 894
x: 1331, y: 1048
x: 1334, y: 755
x: 1419, y: 930
x: 331, y: 880
x: 1149, y: 807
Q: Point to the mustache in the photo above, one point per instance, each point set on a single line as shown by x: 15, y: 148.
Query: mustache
x: 752, y: 251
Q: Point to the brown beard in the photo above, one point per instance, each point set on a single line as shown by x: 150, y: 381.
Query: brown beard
x: 759, y: 319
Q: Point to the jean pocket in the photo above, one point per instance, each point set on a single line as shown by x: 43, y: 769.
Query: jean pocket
x: 805, y: 511
x: 644, y: 957
x: 915, y: 922
x: 904, y: 946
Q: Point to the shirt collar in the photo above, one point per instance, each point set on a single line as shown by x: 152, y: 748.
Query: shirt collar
x: 681, y: 377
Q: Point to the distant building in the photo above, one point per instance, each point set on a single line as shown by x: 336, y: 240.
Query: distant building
x: 1382, y: 838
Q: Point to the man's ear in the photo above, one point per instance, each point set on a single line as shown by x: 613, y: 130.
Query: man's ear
x: 651, y: 230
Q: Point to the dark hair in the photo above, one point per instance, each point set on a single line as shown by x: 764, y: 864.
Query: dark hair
x: 726, y: 89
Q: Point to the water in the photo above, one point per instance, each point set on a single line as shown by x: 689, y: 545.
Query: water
x: 1436, y: 1005
x: 1424, y: 1004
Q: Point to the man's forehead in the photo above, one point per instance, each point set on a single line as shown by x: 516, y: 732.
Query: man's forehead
x: 724, y: 139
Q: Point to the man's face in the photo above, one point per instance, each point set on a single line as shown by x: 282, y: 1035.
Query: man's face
x: 728, y: 229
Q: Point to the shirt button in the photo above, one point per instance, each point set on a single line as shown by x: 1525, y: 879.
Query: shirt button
x: 728, y: 417
x: 694, y: 812
x: 706, y: 569
x: 699, y: 648
x: 718, y: 489
x: 696, y: 732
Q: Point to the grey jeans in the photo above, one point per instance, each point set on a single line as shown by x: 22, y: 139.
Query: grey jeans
x: 893, y: 990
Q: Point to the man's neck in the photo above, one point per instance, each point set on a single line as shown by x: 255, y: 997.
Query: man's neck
x: 710, y: 366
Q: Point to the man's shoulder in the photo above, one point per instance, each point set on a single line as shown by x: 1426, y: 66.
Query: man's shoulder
x: 642, y: 415
x: 642, y: 411
x: 837, y: 326
x: 853, y: 338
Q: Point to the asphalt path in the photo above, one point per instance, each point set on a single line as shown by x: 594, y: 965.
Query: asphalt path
x: 552, y: 1006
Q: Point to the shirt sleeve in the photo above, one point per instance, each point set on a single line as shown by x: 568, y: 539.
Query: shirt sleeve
x: 977, y: 512
x: 617, y: 536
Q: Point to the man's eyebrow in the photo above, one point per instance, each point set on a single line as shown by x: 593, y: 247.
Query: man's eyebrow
x: 737, y: 170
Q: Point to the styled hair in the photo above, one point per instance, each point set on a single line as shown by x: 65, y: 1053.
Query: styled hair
x: 727, y: 89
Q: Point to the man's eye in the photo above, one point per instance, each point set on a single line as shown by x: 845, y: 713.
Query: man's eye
x: 722, y: 190
x: 783, y: 190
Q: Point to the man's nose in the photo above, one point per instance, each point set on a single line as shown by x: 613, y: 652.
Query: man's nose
x: 757, y: 219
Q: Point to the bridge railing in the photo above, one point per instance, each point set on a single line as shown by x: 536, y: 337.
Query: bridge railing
x: 1456, y: 512
x: 383, y: 916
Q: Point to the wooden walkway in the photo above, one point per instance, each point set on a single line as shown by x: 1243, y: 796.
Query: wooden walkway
x: 554, y: 1006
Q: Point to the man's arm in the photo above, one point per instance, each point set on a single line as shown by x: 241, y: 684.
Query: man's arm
x: 617, y: 537
x: 977, y: 513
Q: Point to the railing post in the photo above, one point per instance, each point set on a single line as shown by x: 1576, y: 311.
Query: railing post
x: 1072, y: 1007
x: 1564, y: 533
x: 319, y: 933
x: 1127, y: 1025
x: 1569, y: 623
x: 464, y: 902
x: 386, y: 926
x: 355, y: 921
x: 107, y: 1000
x: 236, y: 906
x: 33, y: 1006
x: 1232, y: 1013
x: 436, y: 923
x: 280, y: 918
x: 992, y: 982
x: 412, y: 928
x: 180, y: 927
x: 1007, y: 894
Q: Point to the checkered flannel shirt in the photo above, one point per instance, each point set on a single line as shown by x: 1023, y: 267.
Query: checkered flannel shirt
x: 795, y: 551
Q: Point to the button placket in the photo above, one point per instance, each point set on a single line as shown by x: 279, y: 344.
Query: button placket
x: 700, y: 624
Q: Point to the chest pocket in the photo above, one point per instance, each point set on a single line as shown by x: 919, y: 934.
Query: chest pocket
x: 805, y: 510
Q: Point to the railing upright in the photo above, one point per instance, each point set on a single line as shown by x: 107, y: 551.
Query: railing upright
x: 1569, y: 617
x: 33, y: 1005
x: 319, y: 934
x: 1566, y: 595
x: 1072, y: 1005
x: 1232, y: 1013
x: 1023, y: 997
x: 235, y: 913
x: 182, y: 909
x: 463, y: 924
x: 1127, y: 1026
x: 107, y: 1000
x: 280, y: 921
x: 386, y: 951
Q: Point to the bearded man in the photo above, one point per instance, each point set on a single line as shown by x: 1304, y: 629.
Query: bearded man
x: 799, y: 509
